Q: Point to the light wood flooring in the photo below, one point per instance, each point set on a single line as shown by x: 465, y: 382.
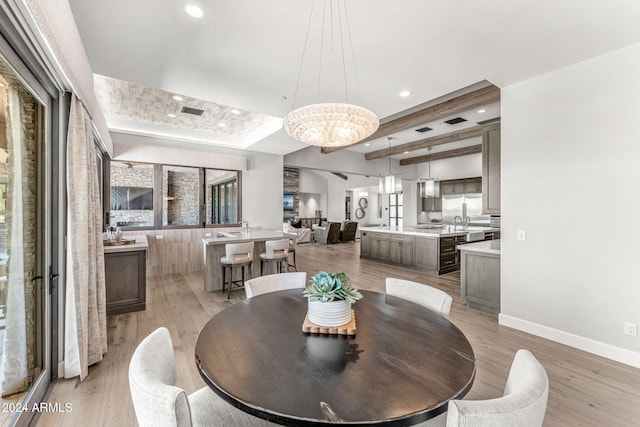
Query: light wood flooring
x: 585, y: 390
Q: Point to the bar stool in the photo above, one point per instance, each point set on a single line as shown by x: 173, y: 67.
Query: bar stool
x: 293, y: 242
x: 277, y: 252
x: 236, y: 255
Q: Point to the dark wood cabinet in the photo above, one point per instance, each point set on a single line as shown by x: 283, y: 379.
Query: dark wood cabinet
x: 449, y: 260
x: 125, y: 280
x: 454, y: 186
x: 473, y: 185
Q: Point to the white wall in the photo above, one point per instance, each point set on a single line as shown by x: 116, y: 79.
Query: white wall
x: 570, y: 179
x: 370, y: 194
x: 261, y: 173
x: 453, y: 168
x: 336, y: 192
x: 309, y: 204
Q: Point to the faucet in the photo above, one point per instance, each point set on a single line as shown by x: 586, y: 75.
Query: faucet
x: 455, y: 221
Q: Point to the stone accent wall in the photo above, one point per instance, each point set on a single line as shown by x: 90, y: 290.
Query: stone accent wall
x: 291, y: 185
x: 182, y: 193
x: 29, y: 198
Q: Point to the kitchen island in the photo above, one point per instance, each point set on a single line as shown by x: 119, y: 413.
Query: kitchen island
x: 429, y: 250
x: 126, y: 275
x: 480, y: 275
x: 213, y: 248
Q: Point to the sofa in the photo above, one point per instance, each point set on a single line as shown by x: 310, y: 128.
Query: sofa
x: 304, y: 234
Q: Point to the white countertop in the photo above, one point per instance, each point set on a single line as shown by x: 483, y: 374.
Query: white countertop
x: 487, y: 247
x: 428, y: 232
x: 139, y: 245
x: 237, y: 236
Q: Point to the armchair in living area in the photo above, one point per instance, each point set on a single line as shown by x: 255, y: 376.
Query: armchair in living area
x: 328, y: 234
x: 304, y: 234
x: 348, y: 231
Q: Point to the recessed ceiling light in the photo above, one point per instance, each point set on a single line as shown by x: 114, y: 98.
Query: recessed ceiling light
x: 236, y: 112
x: 178, y: 98
x: 171, y: 115
x: 482, y: 111
x: 367, y: 144
x: 406, y: 152
x: 221, y: 125
x: 404, y: 93
x: 194, y: 10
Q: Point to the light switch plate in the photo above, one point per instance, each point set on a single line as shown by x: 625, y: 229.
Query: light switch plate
x: 522, y: 235
x: 159, y: 237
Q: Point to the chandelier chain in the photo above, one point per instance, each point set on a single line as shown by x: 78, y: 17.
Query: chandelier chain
x: 304, y: 50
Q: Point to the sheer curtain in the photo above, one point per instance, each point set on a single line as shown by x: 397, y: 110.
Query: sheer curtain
x: 14, y: 367
x: 85, y: 312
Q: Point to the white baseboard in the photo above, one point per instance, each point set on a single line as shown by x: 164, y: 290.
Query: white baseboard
x: 609, y: 351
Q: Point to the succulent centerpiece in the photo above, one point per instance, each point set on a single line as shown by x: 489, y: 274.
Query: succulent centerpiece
x: 330, y: 297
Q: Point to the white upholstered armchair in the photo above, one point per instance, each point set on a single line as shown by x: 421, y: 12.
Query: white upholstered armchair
x: 304, y: 234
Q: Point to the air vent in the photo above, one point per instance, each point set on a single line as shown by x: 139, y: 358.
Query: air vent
x: 455, y: 120
x: 424, y: 129
x: 194, y: 111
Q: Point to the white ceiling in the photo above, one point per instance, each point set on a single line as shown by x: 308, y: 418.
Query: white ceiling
x: 246, y: 54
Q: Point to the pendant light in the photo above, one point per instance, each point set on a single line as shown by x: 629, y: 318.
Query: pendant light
x: 331, y: 124
x: 429, y: 187
x: 392, y: 183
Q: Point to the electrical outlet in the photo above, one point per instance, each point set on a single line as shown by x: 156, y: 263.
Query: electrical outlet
x: 522, y: 235
x: 207, y: 234
x: 630, y: 329
x: 159, y: 237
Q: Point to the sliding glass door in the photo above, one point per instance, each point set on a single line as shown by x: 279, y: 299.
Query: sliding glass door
x: 25, y: 241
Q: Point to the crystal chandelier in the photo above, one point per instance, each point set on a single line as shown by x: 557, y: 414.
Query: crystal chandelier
x: 392, y: 183
x: 330, y: 124
x: 429, y: 187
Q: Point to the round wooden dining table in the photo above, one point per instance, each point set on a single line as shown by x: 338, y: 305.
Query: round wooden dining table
x: 401, y: 368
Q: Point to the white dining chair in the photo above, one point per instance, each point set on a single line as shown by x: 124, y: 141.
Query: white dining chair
x: 158, y: 402
x: 425, y: 295
x: 523, y: 404
x: 275, y: 282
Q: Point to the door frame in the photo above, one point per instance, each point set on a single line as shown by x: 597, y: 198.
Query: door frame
x: 18, y: 54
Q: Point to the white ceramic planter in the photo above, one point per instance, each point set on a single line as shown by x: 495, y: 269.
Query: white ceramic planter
x: 333, y: 313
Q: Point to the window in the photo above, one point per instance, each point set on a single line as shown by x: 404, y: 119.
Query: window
x: 181, y: 195
x: 395, y: 209
x: 145, y: 195
x: 222, y: 197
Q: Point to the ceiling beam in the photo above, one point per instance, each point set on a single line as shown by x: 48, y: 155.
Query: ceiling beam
x: 443, y: 155
x: 468, y: 101
x: 340, y: 175
x: 454, y: 136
